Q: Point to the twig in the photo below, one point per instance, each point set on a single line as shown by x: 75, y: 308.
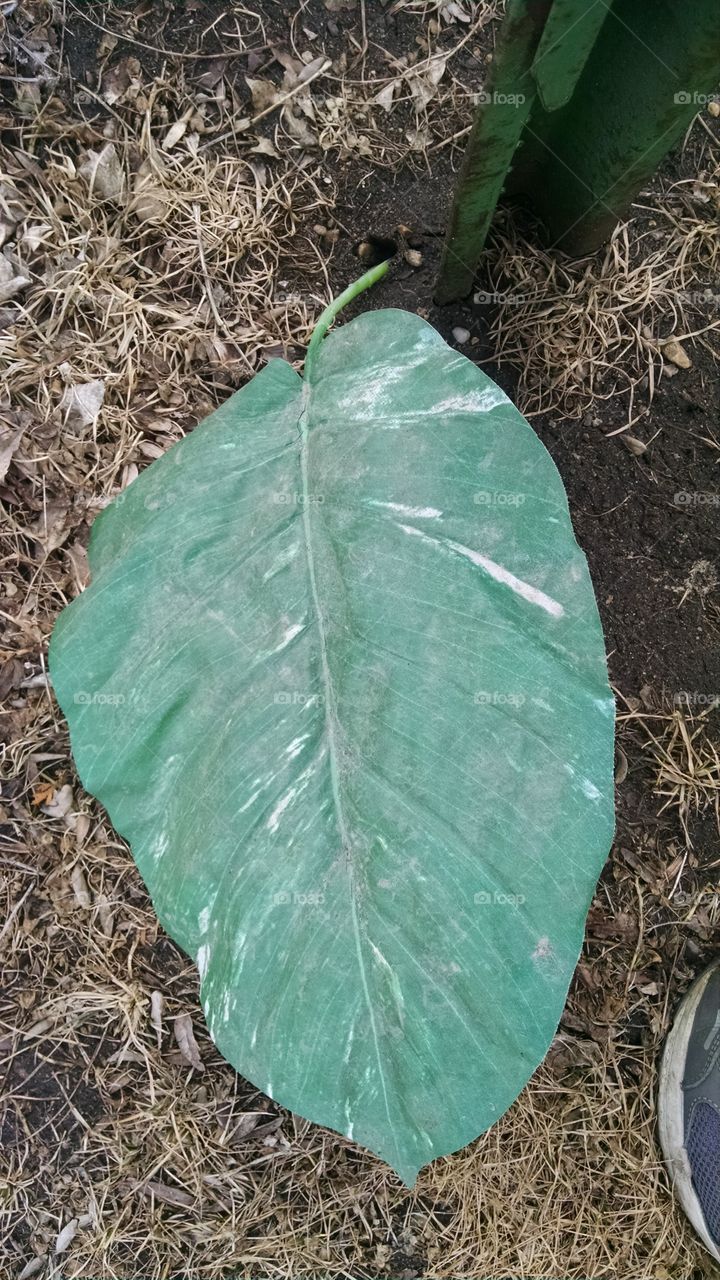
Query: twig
x: 249, y: 121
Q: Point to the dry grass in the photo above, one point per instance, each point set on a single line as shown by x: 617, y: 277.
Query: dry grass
x: 587, y: 335
x: 686, y: 762
x: 168, y: 294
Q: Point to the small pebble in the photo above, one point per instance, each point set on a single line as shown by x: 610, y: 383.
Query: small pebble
x: 413, y: 257
x: 461, y: 335
x: 714, y: 109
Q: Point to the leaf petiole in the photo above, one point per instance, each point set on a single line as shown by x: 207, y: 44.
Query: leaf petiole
x: 348, y: 295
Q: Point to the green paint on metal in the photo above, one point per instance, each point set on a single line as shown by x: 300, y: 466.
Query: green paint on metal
x: 567, y: 40
x: 494, y: 137
x: 631, y: 78
x: 339, y: 679
x: 651, y: 69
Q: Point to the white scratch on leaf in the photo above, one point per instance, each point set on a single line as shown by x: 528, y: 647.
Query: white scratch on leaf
x: 543, y: 950
x: 496, y: 571
x: 379, y: 956
x: 590, y: 790
x: 420, y: 513
x: 290, y: 634
x: 351, y: 1036
x: 159, y: 846
x: 202, y: 959
x: 273, y: 821
x: 302, y: 782
x: 471, y: 401
x: 247, y: 803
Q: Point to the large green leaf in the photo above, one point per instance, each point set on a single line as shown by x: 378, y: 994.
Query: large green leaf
x: 339, y: 679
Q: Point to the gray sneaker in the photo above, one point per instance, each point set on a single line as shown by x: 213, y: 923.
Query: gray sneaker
x: 689, y: 1106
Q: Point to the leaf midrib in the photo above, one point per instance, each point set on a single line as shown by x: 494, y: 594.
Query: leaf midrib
x: 331, y: 722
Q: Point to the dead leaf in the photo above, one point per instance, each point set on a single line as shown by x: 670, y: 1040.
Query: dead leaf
x: 246, y: 1122
x: 32, y: 1268
x: 621, y: 766
x: 11, y: 282
x: 264, y: 147
x: 424, y: 86
x: 168, y: 1195
x: 108, y: 43
x: 569, y: 1051
x: 298, y: 129
x: 9, y: 441
x: 312, y: 68
x: 384, y: 98
x: 80, y: 887
x: 38, y: 1028
x: 12, y: 205
x: 43, y: 793
x: 264, y: 93
x: 250, y: 1126
x: 82, y: 826
x: 66, y: 1236
x: 622, y: 927
x: 123, y: 1055
x: 82, y: 402
x: 53, y: 525
x: 453, y: 12
x: 647, y: 697
x: 61, y: 803
x: 186, y: 1042
x: 211, y: 78
x: 650, y: 989
x: 104, y: 173
x: 28, y: 96
x: 291, y: 65
x: 123, y: 81
x: 419, y: 139
x: 105, y: 915
x: 78, y: 559
x: 11, y: 677
x: 175, y: 132
x: 34, y: 235
x: 149, y: 201
x: 157, y: 1002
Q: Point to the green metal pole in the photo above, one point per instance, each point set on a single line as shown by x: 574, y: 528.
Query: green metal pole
x: 495, y: 134
x: 652, y: 68
x: 607, y: 89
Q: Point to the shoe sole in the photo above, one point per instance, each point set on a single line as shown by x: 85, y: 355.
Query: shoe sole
x: 671, y: 1118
